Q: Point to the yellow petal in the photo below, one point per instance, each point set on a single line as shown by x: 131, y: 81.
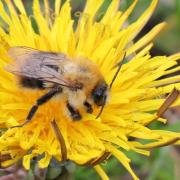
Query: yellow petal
x: 146, y: 39
x: 101, y: 173
x: 44, y: 161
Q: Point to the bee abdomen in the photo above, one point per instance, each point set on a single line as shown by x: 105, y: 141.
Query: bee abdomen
x: 32, y: 83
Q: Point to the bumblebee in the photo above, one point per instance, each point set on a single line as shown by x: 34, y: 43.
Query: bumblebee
x: 78, y: 79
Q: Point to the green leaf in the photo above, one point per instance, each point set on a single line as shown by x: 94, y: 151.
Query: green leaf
x: 30, y: 175
x: 162, y: 167
x: 53, y: 172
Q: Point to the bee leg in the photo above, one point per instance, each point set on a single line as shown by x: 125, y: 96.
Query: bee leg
x: 43, y: 99
x: 74, y: 113
x: 88, y: 106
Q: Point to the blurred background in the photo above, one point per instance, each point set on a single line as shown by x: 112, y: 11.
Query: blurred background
x: 164, y: 163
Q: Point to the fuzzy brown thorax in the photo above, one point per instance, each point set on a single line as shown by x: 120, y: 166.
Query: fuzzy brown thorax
x: 85, y: 72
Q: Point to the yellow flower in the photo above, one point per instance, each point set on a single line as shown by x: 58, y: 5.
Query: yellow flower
x: 134, y: 99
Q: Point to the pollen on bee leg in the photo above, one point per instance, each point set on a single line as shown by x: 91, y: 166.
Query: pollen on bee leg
x: 60, y: 138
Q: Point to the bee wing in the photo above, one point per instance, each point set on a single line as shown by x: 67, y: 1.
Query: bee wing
x: 24, y: 55
x: 37, y: 64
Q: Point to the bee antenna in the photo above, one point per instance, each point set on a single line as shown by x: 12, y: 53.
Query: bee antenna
x: 110, y: 86
x: 118, y: 70
x: 102, y: 107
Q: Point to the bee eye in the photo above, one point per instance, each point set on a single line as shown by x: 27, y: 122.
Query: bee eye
x: 98, y: 94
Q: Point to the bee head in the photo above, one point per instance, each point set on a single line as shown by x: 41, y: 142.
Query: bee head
x: 99, y: 94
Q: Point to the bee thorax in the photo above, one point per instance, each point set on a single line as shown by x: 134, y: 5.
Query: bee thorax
x: 76, y: 98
